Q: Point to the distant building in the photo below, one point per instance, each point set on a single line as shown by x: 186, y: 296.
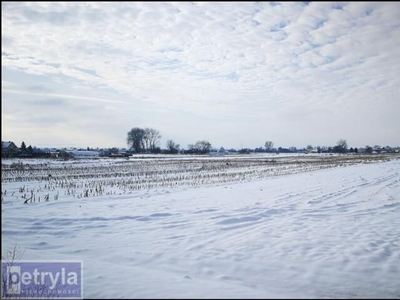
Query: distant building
x: 8, y: 149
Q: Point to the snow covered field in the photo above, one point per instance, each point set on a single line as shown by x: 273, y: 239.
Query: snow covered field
x: 284, y: 228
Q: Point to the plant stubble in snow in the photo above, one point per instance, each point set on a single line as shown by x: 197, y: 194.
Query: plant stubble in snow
x: 330, y: 233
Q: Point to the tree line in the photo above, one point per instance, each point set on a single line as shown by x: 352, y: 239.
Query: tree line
x: 147, y: 140
x: 340, y: 147
x: 144, y: 140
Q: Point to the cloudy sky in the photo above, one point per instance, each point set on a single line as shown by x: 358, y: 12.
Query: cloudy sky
x: 234, y: 73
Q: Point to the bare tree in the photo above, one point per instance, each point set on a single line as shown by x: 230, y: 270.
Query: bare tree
x: 342, y: 143
x: 172, y: 146
x: 141, y: 140
x: 146, y: 141
x: 268, y: 145
x: 202, y: 147
x: 135, y: 139
x: 11, y: 256
x: 151, y: 138
x: 368, y: 149
x: 191, y: 148
x: 341, y: 146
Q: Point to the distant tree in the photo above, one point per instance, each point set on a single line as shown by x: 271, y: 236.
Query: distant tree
x: 268, y: 146
x: 113, y: 150
x: 244, y: 151
x: 258, y: 150
x: 190, y: 148
x: 368, y: 149
x: 152, y: 138
x: 29, y: 149
x: 351, y: 150
x: 293, y: 149
x: 203, y: 147
x: 377, y: 148
x: 336, y: 149
x: 23, y: 147
x: 309, y: 148
x: 172, y: 147
x: 341, y: 146
x: 156, y: 150
x: 342, y: 143
x: 144, y: 145
x: 135, y: 139
x: 355, y: 150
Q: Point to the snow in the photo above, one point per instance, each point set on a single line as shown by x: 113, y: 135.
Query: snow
x: 325, y: 233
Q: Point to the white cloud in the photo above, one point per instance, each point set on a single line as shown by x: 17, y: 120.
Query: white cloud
x: 295, y: 64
